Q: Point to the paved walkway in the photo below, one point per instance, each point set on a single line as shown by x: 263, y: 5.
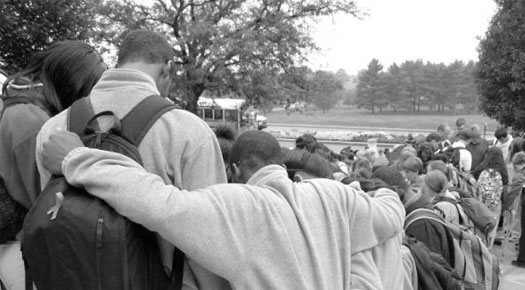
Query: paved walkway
x: 513, y: 278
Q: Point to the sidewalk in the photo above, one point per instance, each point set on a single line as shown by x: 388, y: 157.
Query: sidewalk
x: 513, y: 278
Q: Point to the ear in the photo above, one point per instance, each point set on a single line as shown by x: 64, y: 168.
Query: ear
x: 236, y: 171
x: 167, y: 68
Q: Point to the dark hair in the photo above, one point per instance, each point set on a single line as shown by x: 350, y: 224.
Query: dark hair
x: 308, y: 142
x: 362, y: 167
x: 256, y: 148
x: 392, y: 177
x: 67, y: 69
x: 434, y: 136
x: 226, y: 136
x: 144, y: 45
x: 461, y: 121
x: 493, y: 159
x: 311, y: 163
x: 501, y: 133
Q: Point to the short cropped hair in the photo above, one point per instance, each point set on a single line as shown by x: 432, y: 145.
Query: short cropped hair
x: 461, y: 122
x: 434, y: 136
x: 146, y: 46
x: 256, y: 148
x: 413, y: 164
x: 501, y: 133
x: 436, y: 181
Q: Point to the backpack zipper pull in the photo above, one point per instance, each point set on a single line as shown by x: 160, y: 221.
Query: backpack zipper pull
x: 59, y: 199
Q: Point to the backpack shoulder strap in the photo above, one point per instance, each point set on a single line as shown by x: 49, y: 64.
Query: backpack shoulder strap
x: 139, y: 120
x: 420, y: 214
x: 82, y: 111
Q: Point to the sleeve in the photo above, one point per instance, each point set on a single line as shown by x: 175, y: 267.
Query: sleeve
x: 26, y: 171
x: 198, y: 222
x: 376, y: 218
x: 45, y: 176
x: 515, y: 188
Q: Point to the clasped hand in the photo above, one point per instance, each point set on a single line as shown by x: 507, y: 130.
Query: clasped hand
x: 60, y: 143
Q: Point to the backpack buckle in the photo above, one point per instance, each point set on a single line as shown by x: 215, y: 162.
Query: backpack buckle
x: 59, y: 199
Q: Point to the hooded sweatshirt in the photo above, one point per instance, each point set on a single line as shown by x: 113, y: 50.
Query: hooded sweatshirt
x: 19, y: 127
x: 179, y: 147
x: 270, y: 233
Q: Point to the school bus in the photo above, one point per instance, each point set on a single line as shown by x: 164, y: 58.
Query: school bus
x: 230, y: 112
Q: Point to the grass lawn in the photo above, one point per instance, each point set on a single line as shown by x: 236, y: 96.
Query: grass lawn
x: 363, y: 118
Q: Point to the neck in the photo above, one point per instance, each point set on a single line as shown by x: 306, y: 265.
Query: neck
x: 151, y: 69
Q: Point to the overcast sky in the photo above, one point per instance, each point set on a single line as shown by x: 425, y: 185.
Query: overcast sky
x: 396, y: 31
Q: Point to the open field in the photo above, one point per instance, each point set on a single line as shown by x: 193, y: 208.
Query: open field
x: 363, y: 118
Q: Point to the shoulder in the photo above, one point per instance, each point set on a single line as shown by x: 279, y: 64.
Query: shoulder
x: 184, y: 121
x: 24, y: 118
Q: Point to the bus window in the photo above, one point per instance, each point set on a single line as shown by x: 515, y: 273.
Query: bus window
x: 218, y: 114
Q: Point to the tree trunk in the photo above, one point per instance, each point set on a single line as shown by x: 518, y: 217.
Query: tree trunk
x: 193, y: 96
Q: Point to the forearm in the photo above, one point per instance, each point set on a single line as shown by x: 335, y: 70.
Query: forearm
x: 192, y: 221
x: 377, y: 219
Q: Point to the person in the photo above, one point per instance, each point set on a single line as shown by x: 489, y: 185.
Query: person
x: 477, y: 146
x: 492, y: 177
x: 503, y: 141
x: 461, y: 124
x: 411, y: 170
x: 225, y: 136
x: 302, y: 164
x: 180, y: 147
x: 268, y: 233
x: 515, y: 192
x: 465, y: 157
x: 52, y: 80
x: 433, y: 234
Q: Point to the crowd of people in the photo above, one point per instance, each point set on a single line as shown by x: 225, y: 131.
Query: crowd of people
x: 245, y: 212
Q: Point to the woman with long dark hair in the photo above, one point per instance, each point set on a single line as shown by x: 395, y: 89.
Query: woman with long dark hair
x: 50, y: 83
x: 492, y: 178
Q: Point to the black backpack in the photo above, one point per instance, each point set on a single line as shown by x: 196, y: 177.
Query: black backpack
x: 73, y: 240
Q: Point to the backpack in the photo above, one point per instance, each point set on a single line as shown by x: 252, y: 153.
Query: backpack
x: 481, y: 216
x: 474, y: 262
x: 73, y: 240
x: 464, y: 183
x: 490, y: 187
x: 433, y: 271
x: 11, y: 212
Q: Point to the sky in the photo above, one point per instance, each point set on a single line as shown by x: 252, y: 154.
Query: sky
x: 400, y: 30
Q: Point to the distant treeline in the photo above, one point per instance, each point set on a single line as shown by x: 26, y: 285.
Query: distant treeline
x: 418, y: 86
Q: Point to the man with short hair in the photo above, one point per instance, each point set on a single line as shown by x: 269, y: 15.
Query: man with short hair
x: 503, y: 141
x: 435, y: 235
x: 179, y: 147
x: 269, y: 233
x: 477, y: 146
x: 465, y: 157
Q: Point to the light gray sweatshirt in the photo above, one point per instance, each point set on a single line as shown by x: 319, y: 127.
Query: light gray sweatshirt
x: 179, y: 147
x: 267, y: 234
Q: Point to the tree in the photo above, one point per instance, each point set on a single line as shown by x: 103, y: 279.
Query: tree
x: 29, y: 26
x: 215, y: 41
x: 325, y: 90
x: 368, y: 89
x: 501, y: 74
